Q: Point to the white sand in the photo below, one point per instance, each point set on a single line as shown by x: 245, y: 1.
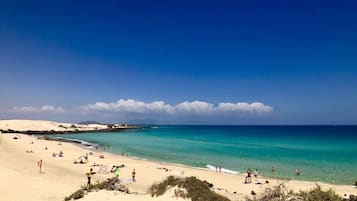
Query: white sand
x: 40, y: 125
x: 21, y: 180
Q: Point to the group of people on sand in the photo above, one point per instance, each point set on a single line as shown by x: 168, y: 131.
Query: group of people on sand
x: 115, y: 170
x: 248, y: 177
x: 218, y: 168
x: 60, y: 154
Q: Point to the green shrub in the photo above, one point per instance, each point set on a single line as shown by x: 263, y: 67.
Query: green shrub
x: 317, y: 194
x: 276, y: 193
x: 160, y: 188
x: 108, y: 184
x: 76, y: 195
x: 281, y: 193
x: 197, y: 190
x: 353, y: 198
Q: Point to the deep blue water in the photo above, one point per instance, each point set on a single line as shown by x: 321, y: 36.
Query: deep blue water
x: 322, y: 153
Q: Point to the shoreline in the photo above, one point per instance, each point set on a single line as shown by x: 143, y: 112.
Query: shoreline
x: 61, y: 173
x: 90, y: 146
x: 51, y: 132
x: 229, y: 172
x: 21, y: 152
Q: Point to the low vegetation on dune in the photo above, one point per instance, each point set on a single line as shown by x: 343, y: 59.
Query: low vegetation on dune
x: 189, y: 187
x: 281, y: 193
x: 197, y: 190
x: 110, y: 184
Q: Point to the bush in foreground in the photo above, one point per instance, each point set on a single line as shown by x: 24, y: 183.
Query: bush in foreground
x: 76, y: 195
x: 110, y: 184
x: 281, y: 193
x: 194, y: 189
x: 318, y: 194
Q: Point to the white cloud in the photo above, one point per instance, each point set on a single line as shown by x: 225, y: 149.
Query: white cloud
x: 128, y: 107
x: 131, y: 106
x: 245, y: 107
x: 194, y: 107
x: 42, y: 109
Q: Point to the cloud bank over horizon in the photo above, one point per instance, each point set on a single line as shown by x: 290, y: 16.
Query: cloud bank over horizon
x: 160, y: 111
x: 186, y: 107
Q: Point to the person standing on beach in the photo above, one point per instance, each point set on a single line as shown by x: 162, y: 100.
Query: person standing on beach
x: 297, y: 172
x: 89, y: 177
x: 249, y: 175
x: 256, y: 173
x: 39, y: 164
x: 116, y: 173
x: 133, y: 175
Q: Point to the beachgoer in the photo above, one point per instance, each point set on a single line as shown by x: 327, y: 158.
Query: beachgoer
x: 249, y: 175
x: 89, y: 176
x: 60, y: 154
x: 345, y: 197
x: 256, y: 173
x: 116, y: 173
x: 297, y: 172
x: 246, y: 180
x: 133, y: 174
x: 216, y: 168
x: 46, y: 148
x: 39, y: 164
x: 114, y: 167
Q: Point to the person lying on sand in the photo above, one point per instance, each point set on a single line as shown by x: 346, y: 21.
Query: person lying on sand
x: 165, y: 169
x: 96, y: 164
x: 114, y: 167
x: 80, y: 160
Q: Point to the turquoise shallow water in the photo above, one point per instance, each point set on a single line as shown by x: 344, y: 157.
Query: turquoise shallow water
x: 322, y: 153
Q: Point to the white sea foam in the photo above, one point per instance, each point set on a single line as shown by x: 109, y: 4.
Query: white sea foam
x: 213, y: 168
x: 81, y: 142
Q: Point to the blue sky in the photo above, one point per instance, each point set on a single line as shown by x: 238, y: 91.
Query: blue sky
x: 180, y: 61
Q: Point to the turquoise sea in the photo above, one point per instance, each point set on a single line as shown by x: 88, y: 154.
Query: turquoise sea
x: 322, y: 153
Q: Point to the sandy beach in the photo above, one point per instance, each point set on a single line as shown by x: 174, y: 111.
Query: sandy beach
x: 21, y: 179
